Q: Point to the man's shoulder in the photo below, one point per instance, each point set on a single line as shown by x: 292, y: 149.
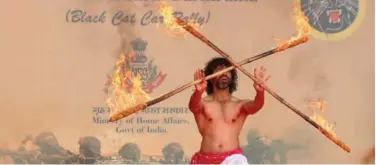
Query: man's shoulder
x: 237, y: 100
x: 234, y: 99
x: 207, y: 98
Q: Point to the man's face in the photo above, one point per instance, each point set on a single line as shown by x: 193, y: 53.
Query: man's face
x: 222, y: 81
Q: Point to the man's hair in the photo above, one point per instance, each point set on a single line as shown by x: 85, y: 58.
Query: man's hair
x: 212, y: 65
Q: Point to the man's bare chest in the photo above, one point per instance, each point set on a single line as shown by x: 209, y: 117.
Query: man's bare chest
x: 227, y: 111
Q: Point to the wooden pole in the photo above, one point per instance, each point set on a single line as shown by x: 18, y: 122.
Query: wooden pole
x: 126, y: 112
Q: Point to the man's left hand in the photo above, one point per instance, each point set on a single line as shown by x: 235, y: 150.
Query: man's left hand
x: 261, y: 79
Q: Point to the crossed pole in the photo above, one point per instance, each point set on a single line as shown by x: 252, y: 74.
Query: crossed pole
x: 198, y: 35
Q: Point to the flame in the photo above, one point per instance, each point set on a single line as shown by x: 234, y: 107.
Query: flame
x: 301, y: 22
x: 120, y: 97
x: 318, y: 106
x: 302, y: 26
x: 170, y: 24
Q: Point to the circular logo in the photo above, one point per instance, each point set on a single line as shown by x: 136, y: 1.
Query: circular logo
x: 333, y: 19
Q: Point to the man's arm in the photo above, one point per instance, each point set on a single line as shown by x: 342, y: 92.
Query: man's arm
x: 195, y: 103
x: 253, y: 106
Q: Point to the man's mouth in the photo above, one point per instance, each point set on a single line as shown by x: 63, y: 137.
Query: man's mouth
x: 223, y: 78
x: 334, y: 15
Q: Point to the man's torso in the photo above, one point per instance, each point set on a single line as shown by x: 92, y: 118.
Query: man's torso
x: 220, y: 124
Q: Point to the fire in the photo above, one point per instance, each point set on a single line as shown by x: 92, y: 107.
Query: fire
x: 319, y: 104
x: 318, y: 107
x: 301, y: 22
x: 302, y: 27
x: 119, y: 97
x: 169, y: 21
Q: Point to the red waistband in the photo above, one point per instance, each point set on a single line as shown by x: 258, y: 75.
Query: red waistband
x: 213, y: 158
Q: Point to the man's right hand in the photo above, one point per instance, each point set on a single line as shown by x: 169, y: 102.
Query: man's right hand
x: 195, y: 103
x: 199, y: 75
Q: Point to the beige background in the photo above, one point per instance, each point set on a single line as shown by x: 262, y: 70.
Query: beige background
x: 52, y: 73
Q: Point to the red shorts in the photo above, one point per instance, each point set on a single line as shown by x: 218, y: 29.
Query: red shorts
x: 213, y: 158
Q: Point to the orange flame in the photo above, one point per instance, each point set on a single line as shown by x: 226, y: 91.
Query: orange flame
x: 169, y: 21
x: 319, y: 104
x: 302, y: 26
x: 318, y: 107
x: 301, y: 22
x: 119, y: 98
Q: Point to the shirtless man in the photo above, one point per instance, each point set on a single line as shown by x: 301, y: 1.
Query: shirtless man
x: 220, y: 116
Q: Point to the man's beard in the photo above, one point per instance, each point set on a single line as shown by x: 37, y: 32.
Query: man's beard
x: 223, y: 84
